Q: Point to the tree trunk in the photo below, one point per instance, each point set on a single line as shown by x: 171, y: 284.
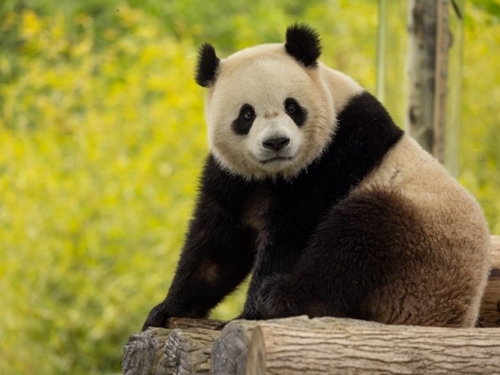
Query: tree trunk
x: 428, y: 72
x: 347, y: 347
x: 422, y: 63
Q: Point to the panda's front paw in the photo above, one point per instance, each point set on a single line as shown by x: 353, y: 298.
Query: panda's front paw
x: 276, y: 298
x: 158, y: 317
x: 169, y: 308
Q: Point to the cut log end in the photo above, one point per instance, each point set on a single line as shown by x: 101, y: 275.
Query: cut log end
x: 140, y: 356
x: 183, y: 348
x: 489, y: 315
x: 188, y: 351
x: 229, y: 352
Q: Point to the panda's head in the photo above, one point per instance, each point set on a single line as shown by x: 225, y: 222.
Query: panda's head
x: 269, y: 111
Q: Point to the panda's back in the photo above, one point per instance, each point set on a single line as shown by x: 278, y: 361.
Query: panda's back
x: 447, y: 237
x: 417, y: 175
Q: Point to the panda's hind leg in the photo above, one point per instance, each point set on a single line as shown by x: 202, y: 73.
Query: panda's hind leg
x: 355, y: 256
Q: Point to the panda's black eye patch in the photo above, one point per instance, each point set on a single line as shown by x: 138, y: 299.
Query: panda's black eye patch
x: 297, y: 113
x: 245, y: 119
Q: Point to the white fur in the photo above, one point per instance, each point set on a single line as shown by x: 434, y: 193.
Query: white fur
x: 264, y: 77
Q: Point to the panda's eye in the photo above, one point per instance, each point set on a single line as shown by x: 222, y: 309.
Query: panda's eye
x: 248, y: 114
x: 291, y: 108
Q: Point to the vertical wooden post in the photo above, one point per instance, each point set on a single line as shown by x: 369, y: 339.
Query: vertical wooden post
x: 381, y: 49
x: 441, y: 78
x: 428, y: 71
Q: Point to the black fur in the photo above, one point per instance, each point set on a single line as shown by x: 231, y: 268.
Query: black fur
x: 302, y: 216
x: 242, y: 124
x: 344, y: 262
x: 303, y: 44
x: 208, y: 65
x: 296, y: 112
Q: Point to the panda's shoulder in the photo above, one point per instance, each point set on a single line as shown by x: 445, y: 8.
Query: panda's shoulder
x: 217, y: 182
x: 363, y: 107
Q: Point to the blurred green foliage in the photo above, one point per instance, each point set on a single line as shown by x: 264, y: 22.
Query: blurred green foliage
x: 102, y: 138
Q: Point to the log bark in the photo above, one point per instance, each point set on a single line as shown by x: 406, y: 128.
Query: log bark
x: 347, y: 347
x: 422, y: 71
x: 145, y: 354
x: 188, y: 351
x: 230, y: 350
x: 430, y: 41
x: 489, y: 315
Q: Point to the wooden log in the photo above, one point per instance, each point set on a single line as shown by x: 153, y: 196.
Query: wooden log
x: 347, y: 347
x: 490, y: 307
x: 144, y: 353
x: 230, y: 350
x: 188, y: 351
x: 188, y: 323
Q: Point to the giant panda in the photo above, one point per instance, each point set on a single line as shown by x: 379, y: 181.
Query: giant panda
x: 311, y: 187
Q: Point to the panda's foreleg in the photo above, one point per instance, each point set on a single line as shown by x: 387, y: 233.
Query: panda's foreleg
x: 356, y: 250
x: 207, y: 271
x: 217, y: 255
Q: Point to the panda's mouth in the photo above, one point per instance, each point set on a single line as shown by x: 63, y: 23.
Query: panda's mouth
x: 275, y: 159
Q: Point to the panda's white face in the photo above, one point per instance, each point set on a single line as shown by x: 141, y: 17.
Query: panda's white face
x: 267, y: 114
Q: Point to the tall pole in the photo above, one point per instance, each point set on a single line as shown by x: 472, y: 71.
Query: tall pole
x: 428, y: 72
x: 381, y: 49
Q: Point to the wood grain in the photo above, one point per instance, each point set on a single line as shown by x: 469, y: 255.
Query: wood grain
x: 347, y: 348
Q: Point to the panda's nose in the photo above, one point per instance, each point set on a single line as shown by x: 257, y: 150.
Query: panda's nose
x: 276, y: 144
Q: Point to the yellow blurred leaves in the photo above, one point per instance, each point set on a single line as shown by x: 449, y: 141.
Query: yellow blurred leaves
x: 101, y: 148
x: 30, y: 24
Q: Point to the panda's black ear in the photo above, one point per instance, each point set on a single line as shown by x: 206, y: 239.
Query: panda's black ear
x: 208, y: 65
x: 303, y: 44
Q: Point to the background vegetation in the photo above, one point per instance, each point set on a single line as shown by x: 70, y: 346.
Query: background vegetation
x: 102, y: 137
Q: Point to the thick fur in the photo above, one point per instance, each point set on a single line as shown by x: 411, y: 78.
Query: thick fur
x: 208, y: 64
x: 353, y: 219
x: 303, y: 44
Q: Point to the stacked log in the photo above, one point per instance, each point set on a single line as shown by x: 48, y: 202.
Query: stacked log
x: 346, y: 346
x: 182, y: 348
